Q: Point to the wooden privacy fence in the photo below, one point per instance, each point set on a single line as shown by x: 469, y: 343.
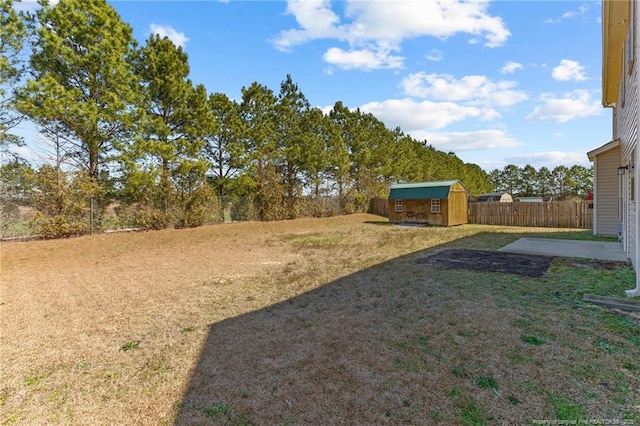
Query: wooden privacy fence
x: 379, y: 206
x: 548, y: 214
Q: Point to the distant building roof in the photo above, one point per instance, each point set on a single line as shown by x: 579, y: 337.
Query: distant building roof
x: 421, y: 190
x: 530, y: 199
x: 495, y: 196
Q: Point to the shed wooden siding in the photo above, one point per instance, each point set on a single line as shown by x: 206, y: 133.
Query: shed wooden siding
x: 419, y: 211
x: 458, y: 205
x: 453, y: 209
x: 607, y: 197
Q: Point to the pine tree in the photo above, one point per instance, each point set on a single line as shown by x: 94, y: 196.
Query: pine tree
x: 169, y: 141
x: 82, y: 82
x: 223, y: 135
x: 14, y: 30
x: 258, y: 112
x: 292, y: 138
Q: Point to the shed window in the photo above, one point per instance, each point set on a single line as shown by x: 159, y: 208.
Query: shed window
x: 398, y: 206
x: 435, y: 206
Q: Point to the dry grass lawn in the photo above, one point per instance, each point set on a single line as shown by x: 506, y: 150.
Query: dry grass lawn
x: 312, y: 321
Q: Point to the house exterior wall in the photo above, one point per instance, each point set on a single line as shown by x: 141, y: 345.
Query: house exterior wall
x: 626, y: 129
x: 607, y: 195
x: 419, y: 211
x: 621, y: 55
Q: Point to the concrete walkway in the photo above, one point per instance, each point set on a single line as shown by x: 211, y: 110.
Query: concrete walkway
x: 567, y: 248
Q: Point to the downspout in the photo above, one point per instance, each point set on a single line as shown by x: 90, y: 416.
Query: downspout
x: 634, y: 161
x: 594, y: 198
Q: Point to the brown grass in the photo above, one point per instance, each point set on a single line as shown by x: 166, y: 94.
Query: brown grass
x: 312, y: 321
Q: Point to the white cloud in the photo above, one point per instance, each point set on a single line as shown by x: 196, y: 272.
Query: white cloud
x: 362, y: 59
x: 510, y: 67
x: 471, y: 141
x: 316, y: 20
x: 489, y: 165
x: 584, y: 8
x: 30, y: 5
x: 178, y: 38
x: 425, y: 115
x: 408, y: 19
x: 569, y: 70
x: 570, y: 106
x: 435, y: 55
x: 472, y: 89
x: 550, y: 159
x: 380, y: 26
x: 581, y: 11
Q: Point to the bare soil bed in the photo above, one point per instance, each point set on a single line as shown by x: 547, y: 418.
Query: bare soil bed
x: 490, y: 261
x: 306, y: 322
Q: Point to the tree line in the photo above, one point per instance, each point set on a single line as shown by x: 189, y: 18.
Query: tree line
x: 128, y: 126
x: 131, y: 132
x: 560, y: 183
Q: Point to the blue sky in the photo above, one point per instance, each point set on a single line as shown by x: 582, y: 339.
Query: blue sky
x: 500, y: 82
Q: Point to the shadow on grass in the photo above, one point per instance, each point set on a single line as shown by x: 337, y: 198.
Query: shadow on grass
x: 399, y: 342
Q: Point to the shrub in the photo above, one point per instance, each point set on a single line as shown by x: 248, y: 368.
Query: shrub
x: 149, y: 218
x: 59, y: 226
x: 62, y: 201
x: 199, y: 207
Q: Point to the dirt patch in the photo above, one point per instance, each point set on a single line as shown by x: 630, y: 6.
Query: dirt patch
x: 490, y: 261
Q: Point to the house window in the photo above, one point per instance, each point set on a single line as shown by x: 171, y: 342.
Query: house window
x: 398, y: 208
x: 435, y: 206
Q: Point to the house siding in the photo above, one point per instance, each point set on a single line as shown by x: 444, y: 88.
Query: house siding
x: 626, y: 129
x: 631, y: 247
x: 607, y: 199
x: 621, y: 61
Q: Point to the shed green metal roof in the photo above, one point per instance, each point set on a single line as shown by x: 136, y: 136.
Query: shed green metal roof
x: 421, y: 190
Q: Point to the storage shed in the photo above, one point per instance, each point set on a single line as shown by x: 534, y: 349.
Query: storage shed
x: 503, y: 197
x: 441, y: 203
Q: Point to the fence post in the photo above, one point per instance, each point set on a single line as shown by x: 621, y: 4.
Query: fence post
x: 91, y: 216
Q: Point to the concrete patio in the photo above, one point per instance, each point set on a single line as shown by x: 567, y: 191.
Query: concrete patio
x: 568, y: 248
